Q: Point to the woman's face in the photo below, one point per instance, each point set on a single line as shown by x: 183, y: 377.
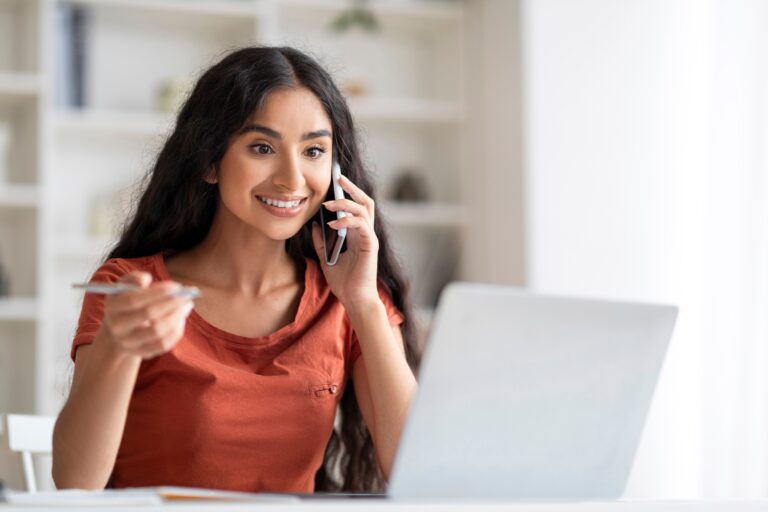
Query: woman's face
x: 277, y: 169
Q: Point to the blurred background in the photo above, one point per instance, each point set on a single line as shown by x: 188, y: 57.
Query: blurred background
x: 603, y: 148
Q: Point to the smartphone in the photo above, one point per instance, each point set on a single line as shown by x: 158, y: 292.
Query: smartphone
x: 333, y: 239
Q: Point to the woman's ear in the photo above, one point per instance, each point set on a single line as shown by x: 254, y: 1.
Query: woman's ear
x: 211, y: 176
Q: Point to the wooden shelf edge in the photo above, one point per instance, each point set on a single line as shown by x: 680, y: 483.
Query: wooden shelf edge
x: 420, y: 10
x: 407, y: 109
x: 19, y: 196
x: 113, y: 121
x: 18, y: 309
x: 155, y: 123
x: 14, y: 83
x: 247, y: 10
x: 424, y: 214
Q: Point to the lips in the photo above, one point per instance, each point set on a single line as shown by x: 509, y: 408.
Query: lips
x: 283, y: 207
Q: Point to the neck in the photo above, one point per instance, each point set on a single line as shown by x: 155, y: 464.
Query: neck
x: 236, y: 257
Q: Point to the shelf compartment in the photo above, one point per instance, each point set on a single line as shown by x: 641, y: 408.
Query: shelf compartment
x: 430, y: 260
x: 20, y: 113
x: 156, y: 43
x: 18, y: 250
x: 413, y: 54
x: 19, y: 35
x: 17, y: 359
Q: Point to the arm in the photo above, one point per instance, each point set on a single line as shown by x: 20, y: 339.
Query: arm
x: 136, y: 325
x: 384, y: 383
x: 90, y: 426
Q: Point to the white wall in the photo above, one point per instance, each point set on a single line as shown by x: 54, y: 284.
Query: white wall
x: 645, y: 162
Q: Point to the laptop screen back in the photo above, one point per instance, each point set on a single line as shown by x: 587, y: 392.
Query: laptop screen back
x: 529, y: 396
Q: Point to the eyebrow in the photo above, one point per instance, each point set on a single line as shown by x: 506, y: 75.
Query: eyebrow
x: 277, y: 135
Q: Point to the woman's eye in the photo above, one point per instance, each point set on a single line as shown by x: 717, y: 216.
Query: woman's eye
x: 315, y: 152
x: 261, y: 149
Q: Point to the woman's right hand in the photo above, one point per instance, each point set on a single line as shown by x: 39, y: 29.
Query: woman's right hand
x: 146, y: 322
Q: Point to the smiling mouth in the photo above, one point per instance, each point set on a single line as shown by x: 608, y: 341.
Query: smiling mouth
x: 282, y: 204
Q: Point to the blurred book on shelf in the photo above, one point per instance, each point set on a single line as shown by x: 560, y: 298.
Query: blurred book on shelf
x: 71, y: 43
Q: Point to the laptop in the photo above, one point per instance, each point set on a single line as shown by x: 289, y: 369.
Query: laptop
x: 531, y: 397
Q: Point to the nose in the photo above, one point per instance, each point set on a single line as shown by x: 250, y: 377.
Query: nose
x: 289, y: 175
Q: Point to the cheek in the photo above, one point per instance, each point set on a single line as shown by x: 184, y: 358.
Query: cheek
x: 320, y: 183
x: 242, y: 172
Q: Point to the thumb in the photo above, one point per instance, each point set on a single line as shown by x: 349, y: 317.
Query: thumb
x: 141, y: 279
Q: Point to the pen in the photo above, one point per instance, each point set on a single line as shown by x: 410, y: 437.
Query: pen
x: 115, y: 288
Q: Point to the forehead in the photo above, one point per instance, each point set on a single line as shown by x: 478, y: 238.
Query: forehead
x: 291, y: 111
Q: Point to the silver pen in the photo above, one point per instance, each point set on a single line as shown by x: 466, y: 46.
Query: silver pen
x: 115, y: 288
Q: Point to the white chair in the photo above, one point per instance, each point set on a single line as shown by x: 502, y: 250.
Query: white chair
x: 29, y: 435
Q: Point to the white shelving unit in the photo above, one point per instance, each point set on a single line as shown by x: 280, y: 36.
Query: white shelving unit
x: 21, y: 100
x: 72, y: 170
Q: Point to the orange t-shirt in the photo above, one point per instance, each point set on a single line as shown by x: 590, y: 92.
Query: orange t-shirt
x: 228, y: 412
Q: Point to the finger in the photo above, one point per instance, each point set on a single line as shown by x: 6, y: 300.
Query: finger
x: 157, y: 331
x: 137, y: 277
x: 134, y: 300
x: 360, y: 227
x: 161, y: 346
x: 347, y: 205
x: 124, y: 323
x: 357, y: 194
x: 351, y: 222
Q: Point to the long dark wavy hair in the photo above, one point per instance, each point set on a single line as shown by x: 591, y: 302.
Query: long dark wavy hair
x: 175, y: 210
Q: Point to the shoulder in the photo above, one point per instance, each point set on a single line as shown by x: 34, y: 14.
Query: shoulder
x: 114, y: 268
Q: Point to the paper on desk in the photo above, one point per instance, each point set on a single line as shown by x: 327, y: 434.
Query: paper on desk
x: 80, y: 498
x: 169, y: 493
x: 138, y: 496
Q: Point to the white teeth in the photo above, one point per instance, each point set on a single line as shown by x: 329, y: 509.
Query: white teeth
x: 280, y: 204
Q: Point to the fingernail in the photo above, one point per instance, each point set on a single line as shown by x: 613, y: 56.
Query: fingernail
x: 172, y: 288
x: 188, y: 308
x: 333, y: 223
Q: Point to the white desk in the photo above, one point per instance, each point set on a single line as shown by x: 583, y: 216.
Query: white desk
x: 379, y: 505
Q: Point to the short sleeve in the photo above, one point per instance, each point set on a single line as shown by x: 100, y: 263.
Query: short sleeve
x: 92, y: 312
x: 395, y: 318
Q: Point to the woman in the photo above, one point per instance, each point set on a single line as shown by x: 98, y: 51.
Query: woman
x: 240, y: 390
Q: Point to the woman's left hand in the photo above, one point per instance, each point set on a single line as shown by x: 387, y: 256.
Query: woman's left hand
x: 353, y: 278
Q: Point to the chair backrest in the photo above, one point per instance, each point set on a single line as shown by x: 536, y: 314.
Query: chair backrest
x: 29, y: 435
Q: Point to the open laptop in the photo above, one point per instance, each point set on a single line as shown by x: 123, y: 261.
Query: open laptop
x: 528, y: 396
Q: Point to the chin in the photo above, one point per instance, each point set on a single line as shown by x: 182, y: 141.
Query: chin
x: 283, y: 234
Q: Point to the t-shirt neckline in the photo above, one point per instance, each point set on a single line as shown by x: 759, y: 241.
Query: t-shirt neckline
x: 258, y: 342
